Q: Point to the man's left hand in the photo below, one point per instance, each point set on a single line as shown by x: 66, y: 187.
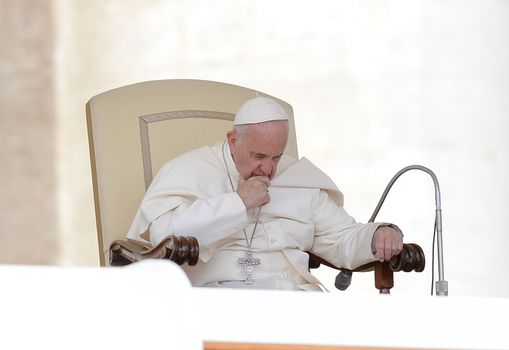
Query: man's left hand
x: 386, y: 243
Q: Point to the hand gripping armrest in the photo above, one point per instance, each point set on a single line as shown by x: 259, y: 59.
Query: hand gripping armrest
x: 180, y: 250
x: 411, y: 258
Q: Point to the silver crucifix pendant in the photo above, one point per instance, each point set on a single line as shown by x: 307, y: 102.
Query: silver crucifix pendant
x: 248, y: 263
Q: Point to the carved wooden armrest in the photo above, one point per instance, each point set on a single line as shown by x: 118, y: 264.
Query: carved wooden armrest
x: 177, y: 249
x: 411, y: 258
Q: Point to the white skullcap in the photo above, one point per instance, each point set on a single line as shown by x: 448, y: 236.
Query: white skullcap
x: 258, y: 110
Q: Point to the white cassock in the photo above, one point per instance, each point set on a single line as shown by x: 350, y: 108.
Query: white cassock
x: 192, y: 196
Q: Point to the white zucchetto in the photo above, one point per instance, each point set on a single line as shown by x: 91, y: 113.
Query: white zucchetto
x: 258, y: 110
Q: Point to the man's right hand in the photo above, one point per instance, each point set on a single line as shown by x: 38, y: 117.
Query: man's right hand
x: 254, y: 192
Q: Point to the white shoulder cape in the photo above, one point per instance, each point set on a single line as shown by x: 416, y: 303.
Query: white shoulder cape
x: 201, y: 174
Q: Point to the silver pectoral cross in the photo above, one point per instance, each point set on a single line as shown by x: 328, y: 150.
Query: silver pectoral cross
x: 248, y: 263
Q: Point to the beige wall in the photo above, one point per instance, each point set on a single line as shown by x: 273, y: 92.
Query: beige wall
x: 375, y: 86
x: 28, y: 206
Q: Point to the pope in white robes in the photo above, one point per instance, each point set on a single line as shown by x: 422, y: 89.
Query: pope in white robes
x: 256, y: 211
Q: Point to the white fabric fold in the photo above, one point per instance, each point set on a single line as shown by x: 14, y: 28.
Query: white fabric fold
x: 192, y: 196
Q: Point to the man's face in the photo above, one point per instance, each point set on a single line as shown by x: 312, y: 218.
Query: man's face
x: 257, y: 150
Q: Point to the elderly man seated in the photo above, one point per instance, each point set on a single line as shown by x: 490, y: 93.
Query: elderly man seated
x: 256, y: 211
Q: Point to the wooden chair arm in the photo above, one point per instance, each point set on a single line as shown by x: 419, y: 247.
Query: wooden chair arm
x: 177, y: 249
x: 411, y: 258
x: 183, y: 250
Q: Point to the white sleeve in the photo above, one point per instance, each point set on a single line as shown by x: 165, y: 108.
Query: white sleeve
x: 338, y: 238
x: 209, y: 220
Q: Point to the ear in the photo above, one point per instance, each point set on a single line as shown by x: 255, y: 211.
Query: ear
x: 232, y: 140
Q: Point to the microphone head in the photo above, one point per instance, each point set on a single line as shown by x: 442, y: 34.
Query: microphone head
x: 343, y: 279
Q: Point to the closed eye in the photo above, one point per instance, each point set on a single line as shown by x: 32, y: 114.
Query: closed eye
x: 258, y: 156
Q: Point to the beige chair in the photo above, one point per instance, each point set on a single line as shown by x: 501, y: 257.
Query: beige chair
x: 135, y: 129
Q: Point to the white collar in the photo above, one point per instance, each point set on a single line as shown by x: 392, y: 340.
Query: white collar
x: 231, y: 168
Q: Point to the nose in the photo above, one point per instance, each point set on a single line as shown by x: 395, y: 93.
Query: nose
x: 266, y: 167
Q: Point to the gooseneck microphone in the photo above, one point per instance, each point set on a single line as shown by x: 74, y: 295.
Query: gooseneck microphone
x: 345, y: 276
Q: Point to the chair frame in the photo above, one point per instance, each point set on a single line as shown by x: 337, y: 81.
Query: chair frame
x: 185, y: 249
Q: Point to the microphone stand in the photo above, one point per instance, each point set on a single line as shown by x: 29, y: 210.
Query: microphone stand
x: 441, y: 284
